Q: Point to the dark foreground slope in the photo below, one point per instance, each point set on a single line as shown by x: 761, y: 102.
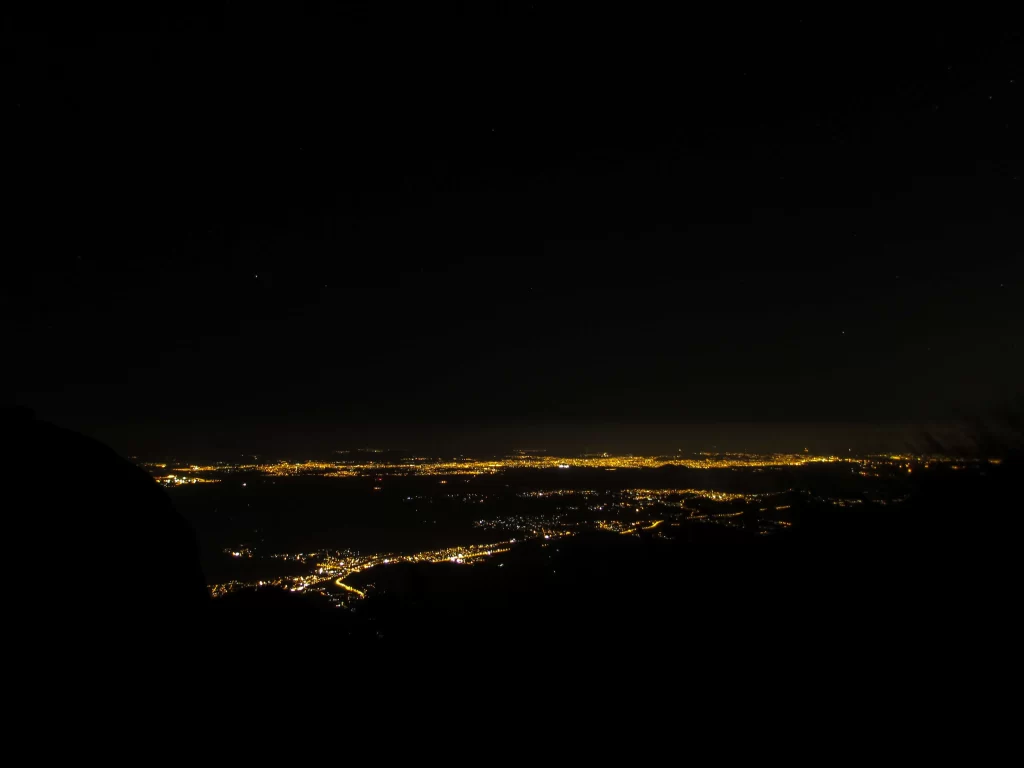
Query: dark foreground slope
x: 96, y: 545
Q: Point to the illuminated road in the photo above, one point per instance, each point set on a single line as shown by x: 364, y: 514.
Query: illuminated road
x: 655, y: 524
x: 339, y: 583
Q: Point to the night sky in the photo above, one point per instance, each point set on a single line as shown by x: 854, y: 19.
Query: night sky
x: 335, y: 224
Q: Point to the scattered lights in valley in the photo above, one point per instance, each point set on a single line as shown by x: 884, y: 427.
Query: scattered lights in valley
x: 651, y: 512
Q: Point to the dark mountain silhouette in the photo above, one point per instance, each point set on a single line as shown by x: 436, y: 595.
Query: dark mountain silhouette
x: 98, y: 542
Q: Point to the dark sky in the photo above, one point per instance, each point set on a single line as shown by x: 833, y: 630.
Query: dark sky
x: 328, y: 222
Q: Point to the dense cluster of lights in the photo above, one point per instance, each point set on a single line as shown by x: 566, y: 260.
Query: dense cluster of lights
x: 182, y: 480
x: 558, y: 493
x: 470, y: 466
x: 660, y: 494
x: 528, y: 525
